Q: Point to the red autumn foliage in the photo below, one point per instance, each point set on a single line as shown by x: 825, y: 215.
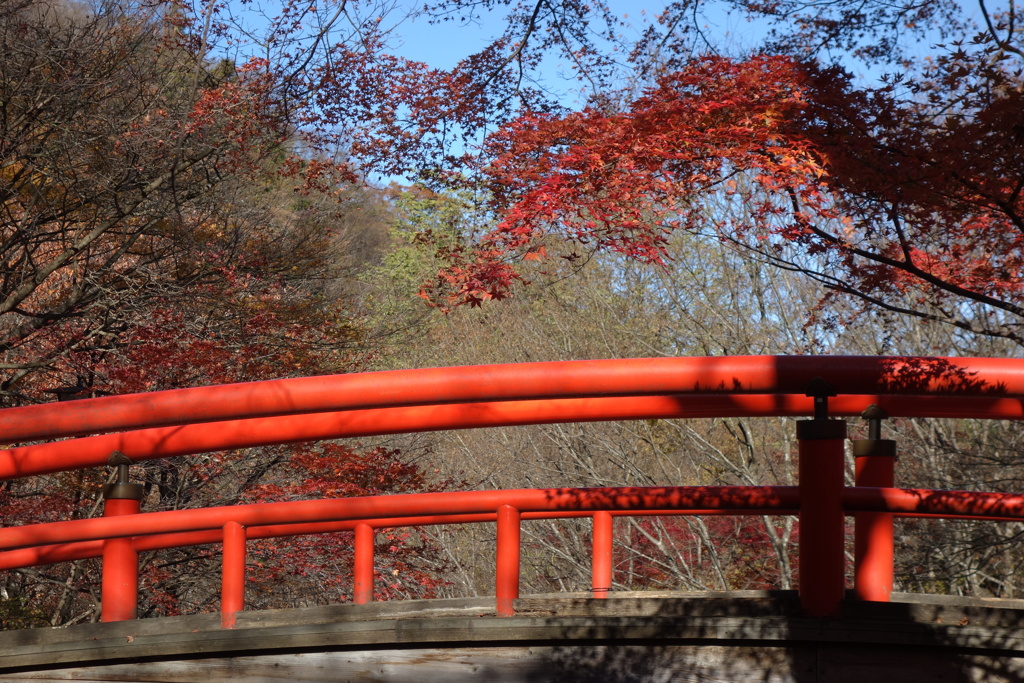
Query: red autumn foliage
x: 892, y: 195
x: 624, y: 181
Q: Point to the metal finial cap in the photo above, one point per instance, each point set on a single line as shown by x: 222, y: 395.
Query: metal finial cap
x: 819, y: 388
x: 874, y: 412
x: 118, y: 458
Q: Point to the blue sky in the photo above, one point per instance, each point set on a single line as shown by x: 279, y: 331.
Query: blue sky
x: 443, y: 45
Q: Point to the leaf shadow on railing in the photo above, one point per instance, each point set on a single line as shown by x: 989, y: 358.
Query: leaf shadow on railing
x: 726, y: 498
x: 939, y: 375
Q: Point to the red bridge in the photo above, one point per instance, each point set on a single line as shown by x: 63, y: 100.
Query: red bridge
x: 822, y: 632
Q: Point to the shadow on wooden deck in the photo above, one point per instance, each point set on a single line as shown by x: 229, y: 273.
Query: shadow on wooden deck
x: 706, y: 637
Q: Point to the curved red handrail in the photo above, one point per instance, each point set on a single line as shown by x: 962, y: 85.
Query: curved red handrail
x: 983, y: 377
x: 162, y: 442
x: 84, y: 538
x: 406, y: 505
x: 188, y: 421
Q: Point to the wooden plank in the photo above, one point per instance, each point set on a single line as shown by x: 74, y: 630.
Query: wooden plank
x: 754, y: 628
x: 567, y: 664
x: 540, y: 664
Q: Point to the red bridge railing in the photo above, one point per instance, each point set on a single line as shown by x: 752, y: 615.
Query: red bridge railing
x: 164, y: 424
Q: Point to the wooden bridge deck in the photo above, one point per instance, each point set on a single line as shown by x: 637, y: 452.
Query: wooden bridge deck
x: 709, y: 637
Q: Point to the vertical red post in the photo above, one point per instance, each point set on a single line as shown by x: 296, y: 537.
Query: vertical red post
x: 602, y: 562
x: 507, y: 583
x: 363, y: 569
x: 119, y: 598
x: 822, y: 579
x: 232, y: 592
x: 873, y: 531
x: 120, y: 586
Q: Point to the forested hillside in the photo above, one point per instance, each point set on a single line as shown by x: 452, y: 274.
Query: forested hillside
x: 198, y: 193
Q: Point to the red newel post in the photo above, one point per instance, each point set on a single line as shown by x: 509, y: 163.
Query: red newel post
x: 232, y: 592
x: 363, y: 569
x: 873, y: 531
x: 602, y: 562
x: 120, y: 584
x: 507, y: 583
x: 822, y: 579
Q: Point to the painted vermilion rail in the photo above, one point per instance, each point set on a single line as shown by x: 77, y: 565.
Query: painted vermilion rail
x: 407, y: 505
x: 78, y: 550
x: 189, y: 421
x: 601, y: 378
x: 64, y: 541
x: 161, y: 442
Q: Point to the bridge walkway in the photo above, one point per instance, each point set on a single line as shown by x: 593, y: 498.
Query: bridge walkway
x: 685, y: 637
